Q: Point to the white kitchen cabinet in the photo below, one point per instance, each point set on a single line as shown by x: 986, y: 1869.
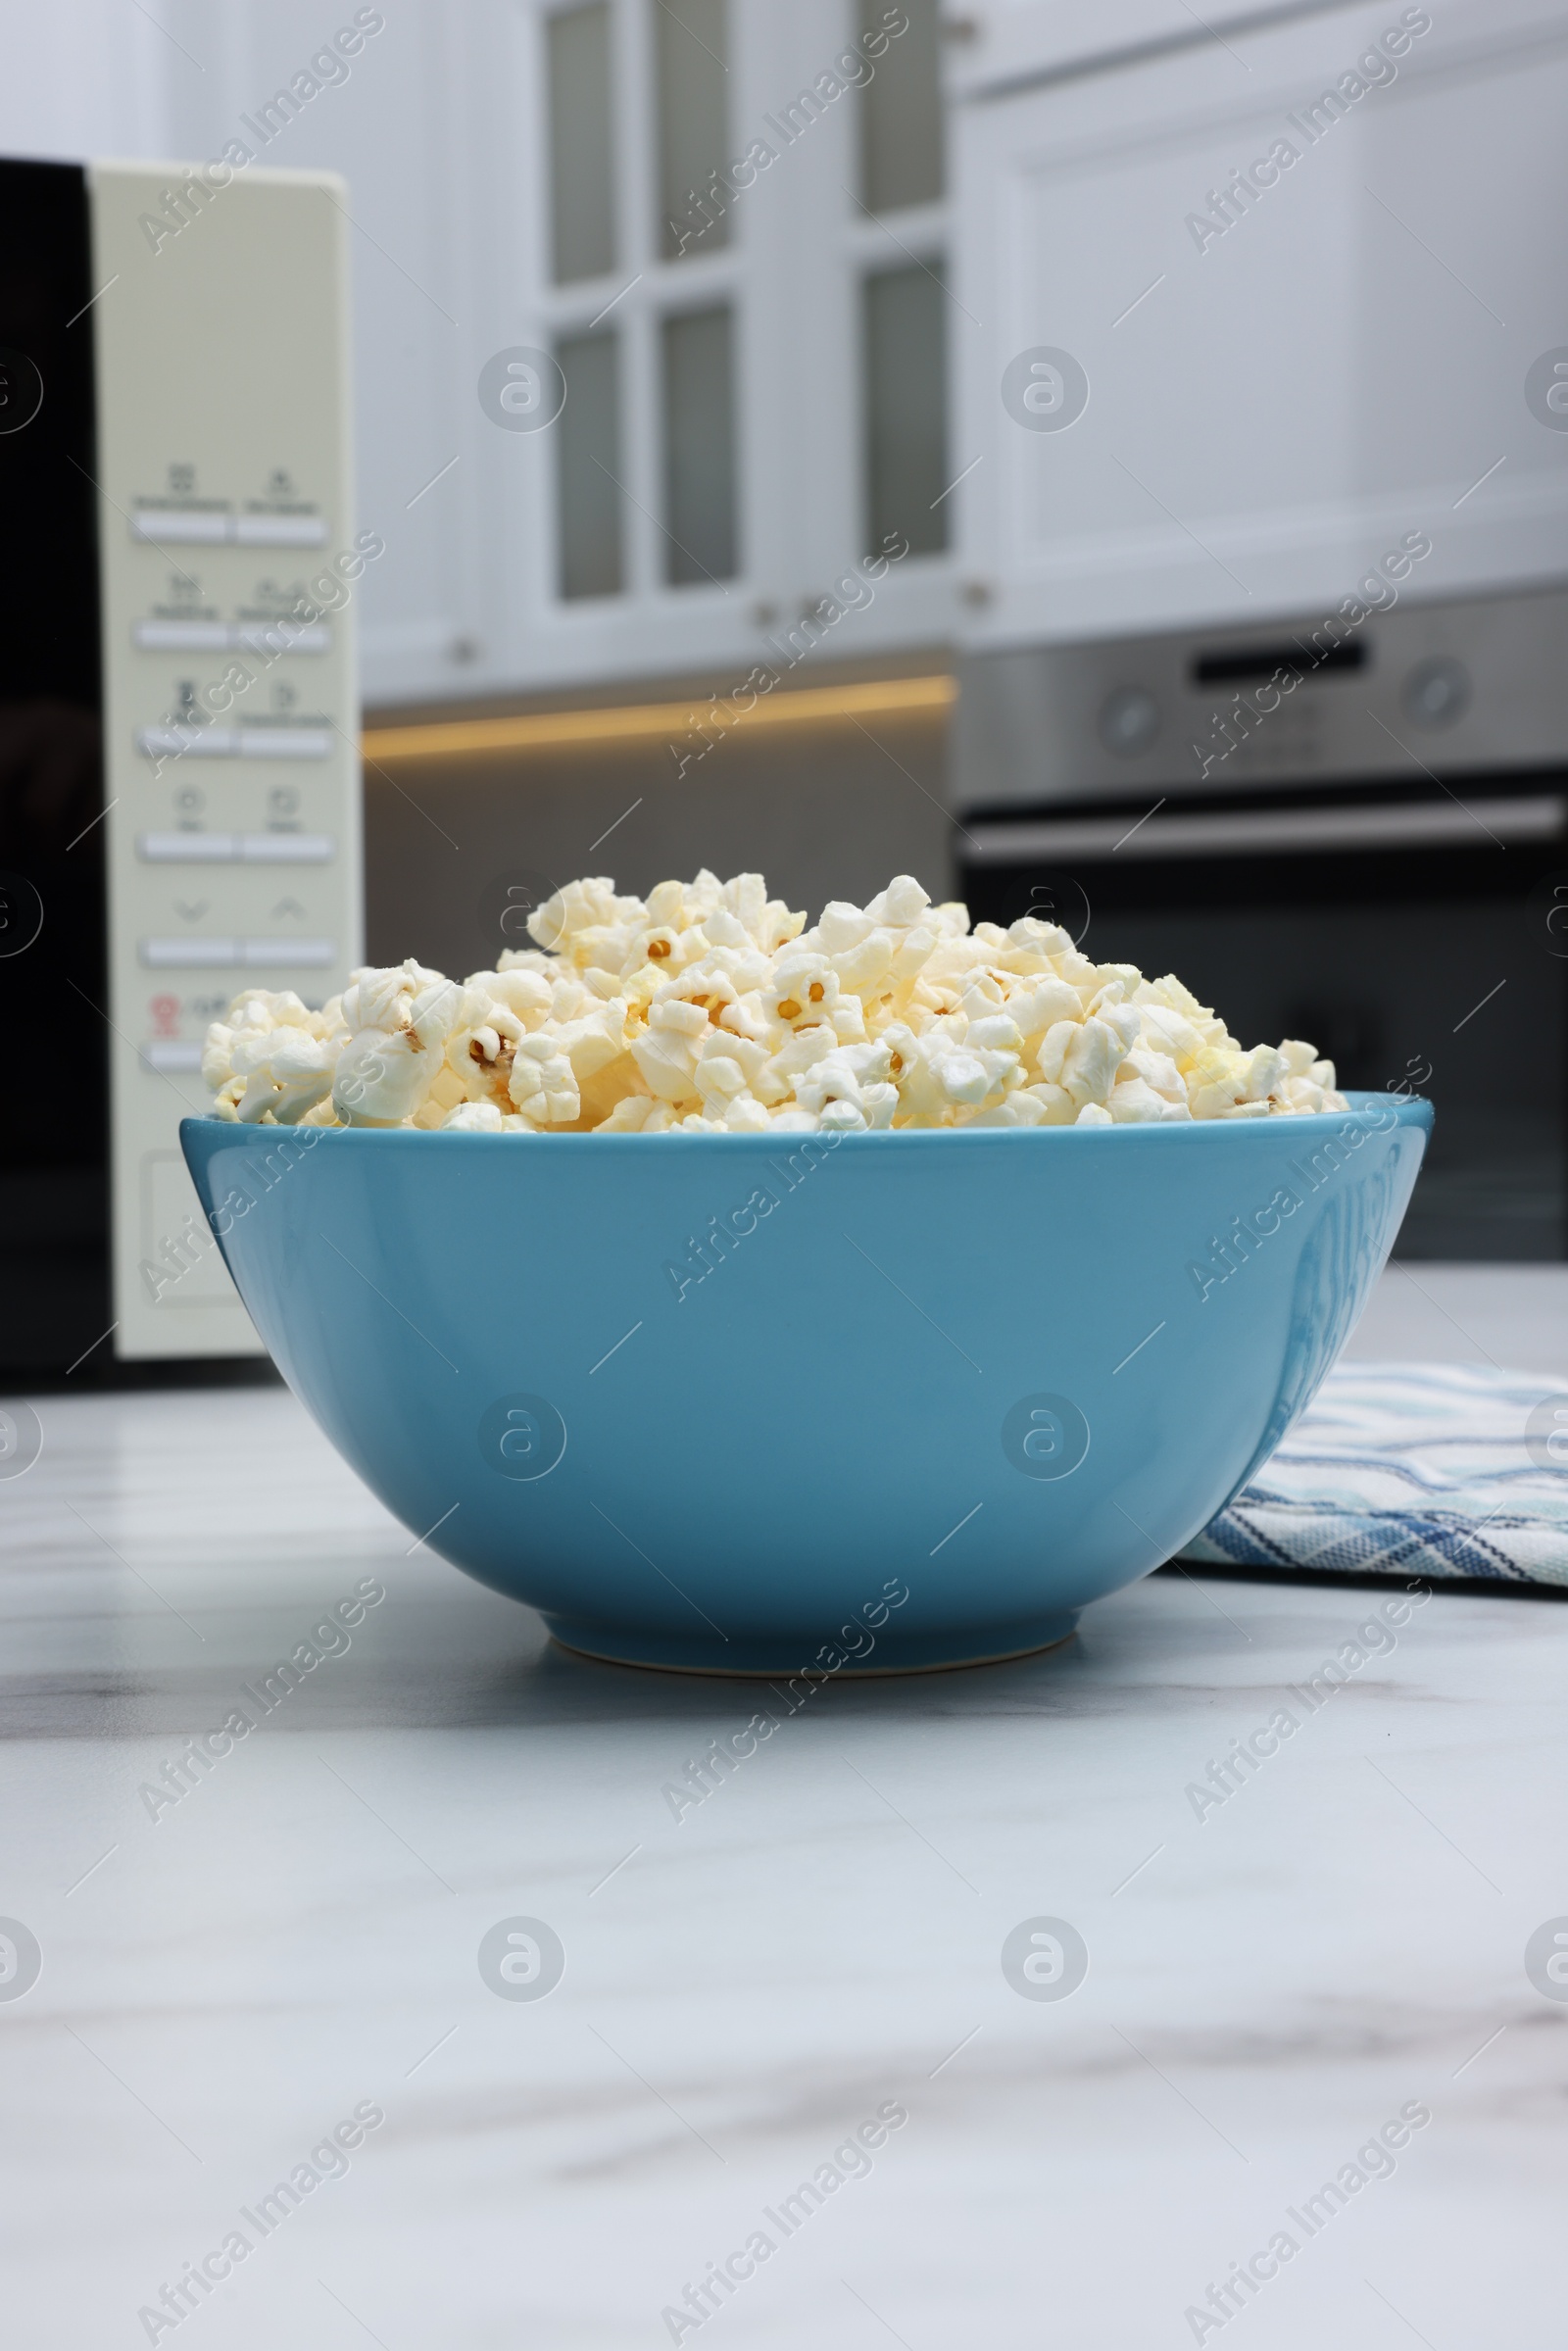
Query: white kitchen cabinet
x: 796, y: 245
x: 1013, y: 44
x: 1267, y: 385
x: 440, y: 126
x: 1270, y: 404
x: 452, y: 176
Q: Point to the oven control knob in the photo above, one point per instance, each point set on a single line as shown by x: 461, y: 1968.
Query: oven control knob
x: 1129, y: 720
x: 1436, y: 692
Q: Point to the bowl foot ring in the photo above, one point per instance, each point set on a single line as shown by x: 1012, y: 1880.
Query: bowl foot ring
x: 846, y: 1673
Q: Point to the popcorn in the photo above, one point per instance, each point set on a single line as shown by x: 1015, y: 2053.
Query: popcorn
x: 271, y: 1059
x: 710, y: 1008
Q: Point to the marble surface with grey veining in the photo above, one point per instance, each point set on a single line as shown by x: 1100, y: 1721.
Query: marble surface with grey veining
x: 229, y: 1974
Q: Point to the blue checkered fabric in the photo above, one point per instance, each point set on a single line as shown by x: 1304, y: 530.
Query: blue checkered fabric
x: 1411, y: 1469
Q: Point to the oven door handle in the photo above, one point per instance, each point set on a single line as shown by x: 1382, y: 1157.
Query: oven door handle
x: 1246, y: 832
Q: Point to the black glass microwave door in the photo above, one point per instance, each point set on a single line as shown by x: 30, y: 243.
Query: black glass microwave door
x: 54, y: 1269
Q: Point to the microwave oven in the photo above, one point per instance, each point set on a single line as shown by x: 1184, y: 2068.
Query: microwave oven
x: 179, y: 786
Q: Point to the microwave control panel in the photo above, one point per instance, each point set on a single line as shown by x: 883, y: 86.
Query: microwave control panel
x: 232, y: 571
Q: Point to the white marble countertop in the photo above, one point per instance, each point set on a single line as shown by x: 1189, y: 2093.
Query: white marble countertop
x: 295, y: 1937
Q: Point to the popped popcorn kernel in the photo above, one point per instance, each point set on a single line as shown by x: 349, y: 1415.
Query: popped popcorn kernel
x: 710, y: 1008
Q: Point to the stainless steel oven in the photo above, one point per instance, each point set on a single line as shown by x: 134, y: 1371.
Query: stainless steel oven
x: 1353, y: 832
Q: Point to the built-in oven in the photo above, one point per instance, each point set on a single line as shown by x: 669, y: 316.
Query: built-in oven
x: 1355, y: 835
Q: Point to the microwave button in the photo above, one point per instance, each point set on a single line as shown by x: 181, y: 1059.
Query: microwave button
x: 170, y: 1054
x: 287, y: 849
x: 207, y: 954
x: 180, y: 636
x: 281, y: 636
x: 284, y: 742
x: 188, y: 849
x: 280, y: 530
x: 188, y: 741
x: 182, y: 525
x: 285, y: 954
x: 229, y: 636
x: 1129, y: 720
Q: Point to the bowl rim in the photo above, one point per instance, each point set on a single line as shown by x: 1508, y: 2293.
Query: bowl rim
x: 1364, y: 1114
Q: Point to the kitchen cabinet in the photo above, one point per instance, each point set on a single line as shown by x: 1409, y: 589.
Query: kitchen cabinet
x: 1282, y: 374
x: 709, y: 483
x: 719, y: 332
x: 1241, y: 312
x: 1013, y: 44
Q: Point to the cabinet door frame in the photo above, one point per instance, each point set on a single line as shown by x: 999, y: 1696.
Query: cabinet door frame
x: 799, y: 245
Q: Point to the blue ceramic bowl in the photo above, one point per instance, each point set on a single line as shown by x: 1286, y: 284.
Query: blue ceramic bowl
x: 868, y: 1403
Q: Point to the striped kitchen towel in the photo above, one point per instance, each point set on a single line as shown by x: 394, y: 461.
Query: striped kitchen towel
x: 1411, y: 1469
